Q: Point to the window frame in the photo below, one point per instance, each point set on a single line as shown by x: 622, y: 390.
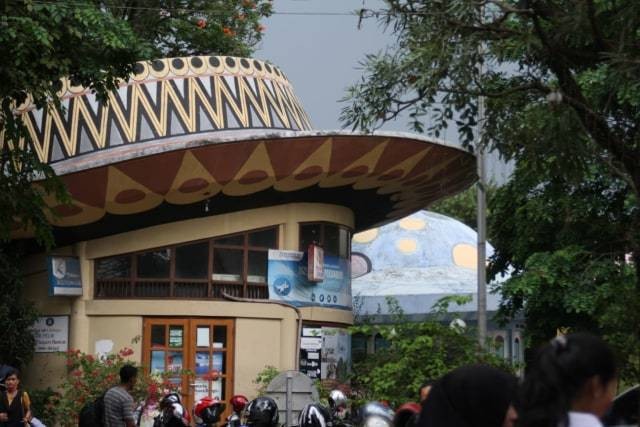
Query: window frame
x: 214, y: 288
x: 322, y: 225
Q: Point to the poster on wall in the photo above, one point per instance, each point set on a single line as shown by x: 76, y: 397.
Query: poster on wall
x: 310, y: 352
x: 336, y: 354
x: 64, y: 276
x: 51, y: 334
x: 288, y: 281
x: 325, y: 353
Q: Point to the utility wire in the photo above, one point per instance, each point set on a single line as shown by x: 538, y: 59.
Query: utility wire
x: 361, y: 13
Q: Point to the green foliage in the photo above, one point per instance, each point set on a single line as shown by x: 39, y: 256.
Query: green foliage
x: 265, y: 377
x: 561, y: 81
x: 41, y: 406
x: 570, y: 267
x: 16, y: 314
x: 417, y: 352
x: 195, y: 27
x: 95, y: 44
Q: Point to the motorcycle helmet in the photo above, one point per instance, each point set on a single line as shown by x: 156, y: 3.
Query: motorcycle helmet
x: 169, y: 400
x: 208, y: 410
x: 239, y: 402
x: 337, y: 399
x: 375, y: 414
x: 314, y: 415
x: 407, y: 415
x: 262, y: 412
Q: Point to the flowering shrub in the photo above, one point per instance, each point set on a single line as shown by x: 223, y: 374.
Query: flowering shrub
x: 89, y: 377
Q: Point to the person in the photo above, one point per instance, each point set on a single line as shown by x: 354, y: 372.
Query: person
x: 118, y: 403
x: 471, y: 396
x: 15, y: 405
x: 570, y: 384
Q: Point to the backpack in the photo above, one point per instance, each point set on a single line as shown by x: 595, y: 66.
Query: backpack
x: 92, y: 413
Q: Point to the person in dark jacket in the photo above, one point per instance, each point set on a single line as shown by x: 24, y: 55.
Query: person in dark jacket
x: 471, y: 396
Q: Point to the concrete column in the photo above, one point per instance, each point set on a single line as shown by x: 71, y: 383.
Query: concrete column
x: 79, y: 321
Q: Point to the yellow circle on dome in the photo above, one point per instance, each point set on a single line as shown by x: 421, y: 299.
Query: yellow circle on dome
x: 465, y: 255
x: 412, y: 223
x: 407, y: 246
x: 366, y: 236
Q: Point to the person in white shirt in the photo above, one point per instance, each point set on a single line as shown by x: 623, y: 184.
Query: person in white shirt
x: 571, y: 383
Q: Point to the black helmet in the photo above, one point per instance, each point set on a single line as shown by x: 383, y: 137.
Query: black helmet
x: 169, y: 399
x: 314, y: 415
x: 262, y: 412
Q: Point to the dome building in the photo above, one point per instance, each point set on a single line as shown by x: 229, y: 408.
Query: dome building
x: 418, y: 260
x: 196, y: 193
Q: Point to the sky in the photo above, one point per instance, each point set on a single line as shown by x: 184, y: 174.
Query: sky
x: 318, y: 44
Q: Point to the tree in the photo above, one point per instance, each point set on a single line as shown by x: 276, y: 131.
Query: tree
x: 562, y: 89
x: 564, y: 241
x: 94, y: 44
x: 194, y: 27
x: 567, y: 70
x: 417, y: 352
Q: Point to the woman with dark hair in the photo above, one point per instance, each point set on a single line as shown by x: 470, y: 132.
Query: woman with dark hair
x: 471, y: 396
x: 15, y: 406
x: 571, y: 383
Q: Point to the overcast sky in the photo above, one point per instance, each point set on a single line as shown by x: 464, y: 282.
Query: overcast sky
x: 319, y: 45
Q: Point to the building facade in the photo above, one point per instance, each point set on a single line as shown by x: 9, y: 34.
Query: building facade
x: 196, y: 194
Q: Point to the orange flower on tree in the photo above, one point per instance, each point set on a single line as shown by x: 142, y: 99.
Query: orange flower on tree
x: 228, y: 32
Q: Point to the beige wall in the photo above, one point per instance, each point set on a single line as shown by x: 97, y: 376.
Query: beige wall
x: 259, y: 343
x: 266, y: 334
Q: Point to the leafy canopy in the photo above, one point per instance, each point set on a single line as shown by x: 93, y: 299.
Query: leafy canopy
x: 95, y: 44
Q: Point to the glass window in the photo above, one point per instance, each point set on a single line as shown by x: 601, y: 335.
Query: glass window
x: 499, y: 346
x: 380, y: 343
x: 331, y: 240
x: 154, y: 264
x: 227, y: 264
x: 235, y: 240
x: 310, y: 233
x: 192, y: 261
x: 358, y: 347
x: 516, y: 350
x: 264, y: 238
x: 114, y: 268
x: 257, y: 267
x: 344, y: 242
x: 186, y: 270
x: 158, y: 335
x: 219, y: 337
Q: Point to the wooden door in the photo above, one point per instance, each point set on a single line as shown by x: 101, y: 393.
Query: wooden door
x: 203, y: 346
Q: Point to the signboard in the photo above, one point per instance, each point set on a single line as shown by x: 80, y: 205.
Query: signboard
x: 288, y: 281
x: 325, y: 353
x: 310, y: 352
x: 315, y: 263
x: 64, y: 275
x: 51, y: 334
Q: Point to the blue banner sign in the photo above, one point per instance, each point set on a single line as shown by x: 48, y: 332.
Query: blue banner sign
x: 287, y: 278
x: 64, y: 276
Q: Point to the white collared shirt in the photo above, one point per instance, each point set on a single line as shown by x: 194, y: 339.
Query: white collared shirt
x: 583, y: 419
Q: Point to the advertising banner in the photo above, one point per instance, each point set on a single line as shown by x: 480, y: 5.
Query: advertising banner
x: 288, y: 281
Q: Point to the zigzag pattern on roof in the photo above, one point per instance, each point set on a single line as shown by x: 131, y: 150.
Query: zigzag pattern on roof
x: 150, y: 107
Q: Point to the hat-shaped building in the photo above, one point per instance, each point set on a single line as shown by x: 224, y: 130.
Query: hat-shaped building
x: 196, y: 193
